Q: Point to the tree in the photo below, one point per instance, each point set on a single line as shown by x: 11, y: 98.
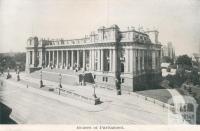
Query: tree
x: 167, y: 59
x: 184, y: 61
x: 195, y: 76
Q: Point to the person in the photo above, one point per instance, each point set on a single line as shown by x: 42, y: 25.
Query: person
x: 76, y: 69
x: 41, y: 84
x: 18, y: 78
x: 1, y: 83
x: 60, y: 86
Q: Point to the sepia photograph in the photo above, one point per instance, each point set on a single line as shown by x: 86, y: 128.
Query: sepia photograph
x: 99, y: 64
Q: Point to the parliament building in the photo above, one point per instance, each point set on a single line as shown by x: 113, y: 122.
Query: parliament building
x: 125, y: 60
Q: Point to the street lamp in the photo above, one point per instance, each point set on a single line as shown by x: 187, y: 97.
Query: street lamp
x: 118, y: 86
x: 18, y: 78
x: 94, y: 94
x: 8, y: 75
x: 41, y: 82
x: 59, y: 86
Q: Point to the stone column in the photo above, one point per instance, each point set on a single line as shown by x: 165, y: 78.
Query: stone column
x: 72, y: 59
x: 93, y: 59
x: 57, y: 59
x: 142, y: 59
x: 83, y: 60
x: 27, y: 58
x: 139, y: 54
x: 153, y: 59
x: 33, y: 58
x: 134, y: 61
x: 78, y: 59
x: 53, y: 59
x: 131, y: 60
x: 110, y: 59
x: 126, y: 61
x: 99, y: 60
x: 40, y: 58
x: 61, y: 59
x: 114, y: 60
x: 67, y: 58
x: 45, y: 58
x: 102, y: 60
x: 49, y: 57
x: 90, y: 60
x: 30, y: 58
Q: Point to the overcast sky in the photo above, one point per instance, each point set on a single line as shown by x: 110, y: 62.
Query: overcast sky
x: 178, y: 21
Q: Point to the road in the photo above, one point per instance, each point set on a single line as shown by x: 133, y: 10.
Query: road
x: 35, y: 106
x: 178, y: 101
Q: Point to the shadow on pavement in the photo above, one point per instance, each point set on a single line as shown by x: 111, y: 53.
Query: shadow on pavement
x: 5, y: 112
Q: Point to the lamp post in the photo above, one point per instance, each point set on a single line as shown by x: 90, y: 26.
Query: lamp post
x: 18, y: 78
x: 94, y: 93
x: 8, y: 75
x: 59, y: 86
x: 41, y: 82
x: 83, y: 79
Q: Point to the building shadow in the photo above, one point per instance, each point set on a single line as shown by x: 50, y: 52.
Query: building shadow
x: 5, y: 112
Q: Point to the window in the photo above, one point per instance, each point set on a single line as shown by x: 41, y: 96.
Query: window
x: 123, y: 35
x: 122, y: 80
x: 106, y: 79
x: 94, y: 76
x: 122, y: 67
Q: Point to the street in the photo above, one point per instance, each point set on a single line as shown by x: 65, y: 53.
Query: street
x: 33, y: 105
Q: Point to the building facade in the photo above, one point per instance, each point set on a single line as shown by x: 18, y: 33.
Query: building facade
x: 117, y: 59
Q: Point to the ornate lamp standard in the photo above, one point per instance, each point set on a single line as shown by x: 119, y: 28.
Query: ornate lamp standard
x: 94, y: 93
x: 18, y: 78
x: 8, y: 75
x: 59, y: 86
x: 41, y: 82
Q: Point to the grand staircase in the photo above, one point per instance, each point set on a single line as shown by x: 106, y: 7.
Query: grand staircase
x: 69, y: 77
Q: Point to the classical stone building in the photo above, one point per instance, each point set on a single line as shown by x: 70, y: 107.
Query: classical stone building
x: 117, y: 59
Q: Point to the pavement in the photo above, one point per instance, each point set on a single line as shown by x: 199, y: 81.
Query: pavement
x: 178, y: 101
x: 33, y: 105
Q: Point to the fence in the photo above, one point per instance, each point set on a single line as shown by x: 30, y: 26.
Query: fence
x: 152, y: 100
x: 78, y: 96
x: 155, y: 101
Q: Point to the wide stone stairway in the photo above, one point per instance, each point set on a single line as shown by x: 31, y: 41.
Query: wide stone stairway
x: 69, y: 77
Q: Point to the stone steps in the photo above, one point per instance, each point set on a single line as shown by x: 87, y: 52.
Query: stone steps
x: 54, y: 76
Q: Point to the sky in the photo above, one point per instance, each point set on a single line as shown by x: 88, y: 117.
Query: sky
x: 177, y: 21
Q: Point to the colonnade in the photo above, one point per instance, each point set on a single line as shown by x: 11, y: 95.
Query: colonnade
x: 134, y: 60
x: 91, y: 59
